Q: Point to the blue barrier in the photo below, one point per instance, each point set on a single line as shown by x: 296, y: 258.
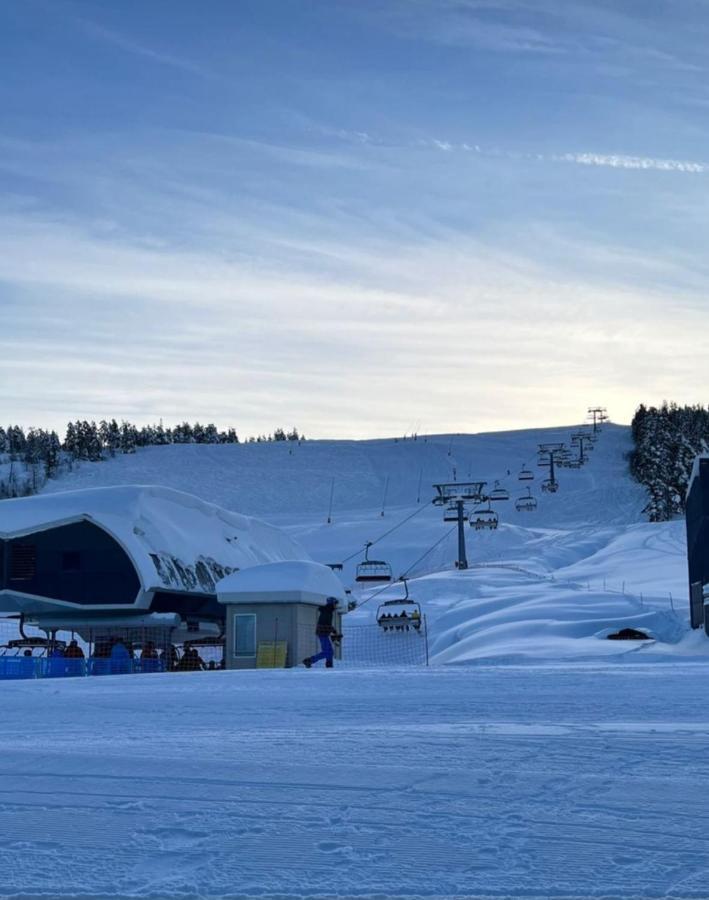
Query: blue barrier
x: 18, y: 667
x: 15, y: 667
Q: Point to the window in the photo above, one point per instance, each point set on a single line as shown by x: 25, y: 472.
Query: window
x: 71, y: 561
x: 244, y: 634
x: 23, y: 562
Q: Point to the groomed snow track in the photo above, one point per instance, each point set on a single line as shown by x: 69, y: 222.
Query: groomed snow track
x: 583, y: 781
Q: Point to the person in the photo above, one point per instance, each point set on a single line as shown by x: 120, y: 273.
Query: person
x: 74, y: 656
x: 170, y: 658
x: 57, y: 666
x: 120, y: 658
x: 27, y: 665
x: 74, y: 651
x: 149, y: 661
x: 325, y: 631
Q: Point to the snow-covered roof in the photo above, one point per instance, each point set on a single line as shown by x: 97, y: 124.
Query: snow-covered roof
x: 175, y: 540
x: 300, y: 581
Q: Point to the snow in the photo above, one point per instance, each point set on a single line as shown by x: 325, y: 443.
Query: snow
x: 546, y: 585
x: 157, y: 522
x: 477, y: 781
x: 534, y: 758
x: 282, y: 582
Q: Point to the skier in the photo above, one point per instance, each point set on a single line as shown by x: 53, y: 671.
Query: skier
x: 324, y: 630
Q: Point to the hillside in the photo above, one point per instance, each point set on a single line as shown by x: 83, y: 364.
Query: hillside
x: 545, y: 584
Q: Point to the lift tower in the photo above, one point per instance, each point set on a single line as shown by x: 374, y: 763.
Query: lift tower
x: 549, y: 457
x: 598, y: 415
x: 581, y: 439
x: 460, y: 494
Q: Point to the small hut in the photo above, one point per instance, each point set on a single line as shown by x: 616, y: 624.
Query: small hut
x: 272, y: 611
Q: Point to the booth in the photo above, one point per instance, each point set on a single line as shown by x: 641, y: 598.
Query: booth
x: 272, y: 611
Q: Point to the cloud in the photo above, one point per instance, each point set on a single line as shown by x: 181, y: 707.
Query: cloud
x: 109, y: 36
x: 619, y: 161
x: 606, y: 160
x: 102, y: 326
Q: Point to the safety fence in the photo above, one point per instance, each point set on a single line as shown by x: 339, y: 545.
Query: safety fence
x: 372, y: 645
x: 654, y: 601
x: 122, y: 651
x: 31, y: 653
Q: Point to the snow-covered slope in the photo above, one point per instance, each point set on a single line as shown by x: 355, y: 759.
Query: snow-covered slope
x: 544, y: 782
x: 547, y: 584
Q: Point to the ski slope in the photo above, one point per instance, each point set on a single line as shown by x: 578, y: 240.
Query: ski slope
x: 546, y: 585
x: 533, y: 759
x: 488, y: 781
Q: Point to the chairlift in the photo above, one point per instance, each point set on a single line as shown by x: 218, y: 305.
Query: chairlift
x: 30, y: 643
x: 526, y: 474
x: 450, y: 513
x: 563, y: 458
x: 484, y: 517
x: 403, y: 614
x: 549, y: 486
x: 526, y: 503
x: 499, y: 493
x: 372, y: 570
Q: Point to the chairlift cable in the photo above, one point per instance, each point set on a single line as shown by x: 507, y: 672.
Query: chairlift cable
x: 430, y: 549
x: 404, y: 574
x: 387, y: 533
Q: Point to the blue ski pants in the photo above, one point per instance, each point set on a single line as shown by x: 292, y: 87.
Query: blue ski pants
x: 325, y: 649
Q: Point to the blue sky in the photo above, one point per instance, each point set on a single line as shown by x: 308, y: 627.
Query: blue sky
x: 361, y: 218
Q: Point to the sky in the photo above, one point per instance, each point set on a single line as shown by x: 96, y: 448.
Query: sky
x: 359, y: 218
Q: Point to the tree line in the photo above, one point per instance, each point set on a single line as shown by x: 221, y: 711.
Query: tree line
x: 667, y: 439
x: 29, y: 458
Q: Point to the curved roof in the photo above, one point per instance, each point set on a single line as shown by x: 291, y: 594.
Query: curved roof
x: 298, y: 581
x: 175, y: 540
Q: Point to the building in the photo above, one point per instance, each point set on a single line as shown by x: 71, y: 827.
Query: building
x: 697, y: 514
x: 135, y: 555
x: 272, y: 611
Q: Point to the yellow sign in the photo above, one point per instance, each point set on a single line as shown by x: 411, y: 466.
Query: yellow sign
x: 272, y: 655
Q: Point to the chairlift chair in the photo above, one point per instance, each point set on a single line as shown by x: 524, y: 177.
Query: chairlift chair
x: 526, y: 503
x: 372, y: 571
x: 525, y: 474
x: 31, y: 643
x: 484, y: 517
x: 549, y: 486
x: 403, y: 614
x: 450, y: 514
x: 499, y: 493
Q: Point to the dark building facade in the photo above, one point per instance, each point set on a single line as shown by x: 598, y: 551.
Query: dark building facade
x: 128, y: 551
x: 698, y: 542
x: 78, y: 563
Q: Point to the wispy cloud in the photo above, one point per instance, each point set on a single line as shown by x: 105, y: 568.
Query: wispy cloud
x: 143, y: 322
x: 605, y: 160
x: 136, y: 48
x: 619, y: 161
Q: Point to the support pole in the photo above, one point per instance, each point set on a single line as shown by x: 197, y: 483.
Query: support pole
x: 418, y: 489
x: 462, y: 557
x: 329, y: 511
x: 384, y: 498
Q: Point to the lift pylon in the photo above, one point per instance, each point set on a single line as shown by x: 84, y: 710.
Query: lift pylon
x: 457, y: 494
